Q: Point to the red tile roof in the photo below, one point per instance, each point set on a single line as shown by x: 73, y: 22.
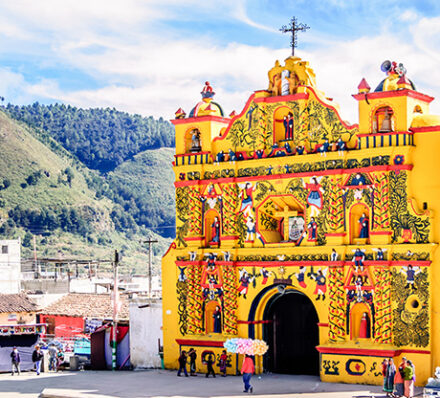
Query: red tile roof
x: 16, y: 303
x: 87, y: 305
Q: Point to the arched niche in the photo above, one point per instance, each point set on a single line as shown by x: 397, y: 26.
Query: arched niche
x: 284, y: 126
x: 418, y: 109
x: 383, y: 120
x: 359, y: 223
x: 213, y: 228
x: 210, y: 310
x: 360, y: 322
x: 193, y: 141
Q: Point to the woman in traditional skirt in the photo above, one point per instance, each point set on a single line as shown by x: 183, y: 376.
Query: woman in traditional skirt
x: 384, y: 372
x: 388, y: 385
x: 398, y: 379
x: 409, y: 379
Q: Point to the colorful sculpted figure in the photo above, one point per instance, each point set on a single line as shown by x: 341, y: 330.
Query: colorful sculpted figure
x: 195, y: 141
x: 250, y: 229
x: 314, y: 198
x: 364, y: 329
x: 341, y: 146
x: 207, y: 91
x: 323, y: 149
x: 411, y: 272
x: 363, y: 222
x: 288, y: 127
x: 265, y: 274
x: 300, y: 276
x: 300, y: 149
x: 358, y: 259
x: 182, y: 277
x: 217, y: 315
x: 359, y: 179
x: 334, y: 255
x: 380, y: 254
x: 245, y: 280
x: 246, y: 197
x: 312, y: 227
x: 215, y: 231
x: 358, y: 284
x: 321, y: 284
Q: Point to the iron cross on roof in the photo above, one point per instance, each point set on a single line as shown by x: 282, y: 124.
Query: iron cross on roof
x: 294, y: 27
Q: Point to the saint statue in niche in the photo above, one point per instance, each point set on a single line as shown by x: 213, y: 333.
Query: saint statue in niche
x: 364, y: 329
x: 215, y: 231
x: 314, y: 198
x: 288, y: 127
x: 312, y: 227
x: 363, y: 222
x: 217, y: 315
x: 195, y: 141
x: 387, y: 123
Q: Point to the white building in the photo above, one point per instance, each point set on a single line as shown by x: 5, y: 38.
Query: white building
x: 10, y: 267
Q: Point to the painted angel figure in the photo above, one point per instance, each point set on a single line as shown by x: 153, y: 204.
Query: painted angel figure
x: 380, y: 253
x: 250, y: 229
x: 321, y: 283
x: 245, y: 281
x: 265, y: 274
x: 246, y: 193
x: 358, y: 284
x: 212, y: 257
x: 410, y: 273
x: 358, y: 259
x: 314, y: 197
x: 182, y: 277
x: 300, y: 276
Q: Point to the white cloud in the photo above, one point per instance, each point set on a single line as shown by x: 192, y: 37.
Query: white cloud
x: 152, y: 73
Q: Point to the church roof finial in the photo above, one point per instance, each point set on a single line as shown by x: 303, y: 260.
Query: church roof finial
x: 294, y: 27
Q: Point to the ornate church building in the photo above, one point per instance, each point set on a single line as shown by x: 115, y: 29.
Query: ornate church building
x: 310, y: 233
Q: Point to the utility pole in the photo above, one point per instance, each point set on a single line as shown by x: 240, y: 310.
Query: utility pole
x: 150, y: 254
x: 115, y: 308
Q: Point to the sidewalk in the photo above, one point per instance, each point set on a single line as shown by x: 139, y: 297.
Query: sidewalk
x: 163, y: 383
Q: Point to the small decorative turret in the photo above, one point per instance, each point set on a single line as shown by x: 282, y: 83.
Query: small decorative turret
x: 180, y: 114
x: 232, y: 114
x: 404, y: 83
x: 363, y: 87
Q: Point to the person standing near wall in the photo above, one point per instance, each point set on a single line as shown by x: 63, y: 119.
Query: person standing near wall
x: 192, y: 361
x: 37, y: 357
x: 182, y: 364
x: 408, y: 372
x: 15, y: 361
x: 247, y: 370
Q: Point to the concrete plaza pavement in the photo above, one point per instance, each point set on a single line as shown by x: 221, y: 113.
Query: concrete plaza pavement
x: 163, y: 383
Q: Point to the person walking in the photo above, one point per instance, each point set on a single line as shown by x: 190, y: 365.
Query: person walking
x: 15, y: 361
x: 192, y: 361
x: 398, y: 379
x: 182, y: 364
x: 247, y: 370
x: 209, y: 363
x: 37, y: 357
x: 223, y: 362
x: 60, y: 359
x: 384, y: 371
x: 408, y: 379
x: 390, y: 373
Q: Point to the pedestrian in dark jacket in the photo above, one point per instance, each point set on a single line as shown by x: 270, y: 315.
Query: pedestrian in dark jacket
x: 15, y: 359
x: 192, y: 361
x: 182, y: 364
x: 209, y: 363
x: 37, y: 357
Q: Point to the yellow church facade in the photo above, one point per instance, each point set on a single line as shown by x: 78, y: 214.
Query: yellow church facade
x: 317, y: 236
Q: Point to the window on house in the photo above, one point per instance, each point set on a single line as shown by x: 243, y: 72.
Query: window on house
x: 4, y: 249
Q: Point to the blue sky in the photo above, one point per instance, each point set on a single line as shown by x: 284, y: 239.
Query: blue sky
x: 152, y: 57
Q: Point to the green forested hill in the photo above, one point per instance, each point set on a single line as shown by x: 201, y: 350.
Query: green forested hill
x: 100, y: 138
x: 47, y: 192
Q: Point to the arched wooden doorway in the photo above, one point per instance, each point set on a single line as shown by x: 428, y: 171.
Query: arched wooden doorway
x: 292, y: 334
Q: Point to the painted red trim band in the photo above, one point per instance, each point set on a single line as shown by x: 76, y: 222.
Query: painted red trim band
x: 192, y: 154
x: 385, y: 134
x: 254, y: 322
x: 394, y: 93
x: 391, y: 263
x: 381, y: 232
x: 200, y: 343
x: 324, y: 325
x: 367, y: 351
x: 426, y: 129
x: 336, y: 234
x: 199, y: 119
